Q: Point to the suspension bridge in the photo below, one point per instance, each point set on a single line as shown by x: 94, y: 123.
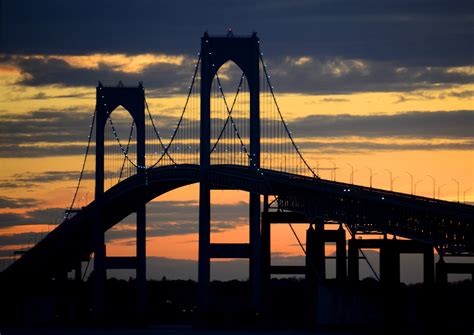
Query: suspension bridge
x: 235, y: 139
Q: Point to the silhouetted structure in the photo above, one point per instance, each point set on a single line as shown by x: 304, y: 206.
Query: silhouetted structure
x: 107, y: 100
x: 215, y: 52
x: 298, y: 199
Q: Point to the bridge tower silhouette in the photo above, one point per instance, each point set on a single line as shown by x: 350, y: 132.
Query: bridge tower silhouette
x: 215, y: 52
x: 107, y: 100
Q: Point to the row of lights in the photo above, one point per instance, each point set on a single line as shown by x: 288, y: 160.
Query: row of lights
x: 392, y: 179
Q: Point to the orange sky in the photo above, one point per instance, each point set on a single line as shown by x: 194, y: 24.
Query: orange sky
x: 444, y: 165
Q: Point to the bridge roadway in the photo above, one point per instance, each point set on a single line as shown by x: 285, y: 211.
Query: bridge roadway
x: 448, y: 226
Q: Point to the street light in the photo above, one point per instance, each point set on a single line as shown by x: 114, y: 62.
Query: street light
x: 414, y: 186
x: 439, y: 190
x: 392, y: 179
x: 464, y: 193
x: 334, y: 169
x: 457, y: 182
x: 352, y: 172
x: 434, y: 185
x: 411, y: 178
x: 371, y: 176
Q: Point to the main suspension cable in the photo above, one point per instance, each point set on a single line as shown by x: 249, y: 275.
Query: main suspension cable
x: 81, y: 175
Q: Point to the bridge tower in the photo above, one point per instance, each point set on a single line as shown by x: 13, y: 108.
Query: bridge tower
x: 107, y: 100
x: 215, y: 52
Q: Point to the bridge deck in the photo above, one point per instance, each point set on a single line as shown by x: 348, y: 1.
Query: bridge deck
x: 447, y: 226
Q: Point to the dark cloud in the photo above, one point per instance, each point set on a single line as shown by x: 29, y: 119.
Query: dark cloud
x: 44, y: 96
x: 23, y: 132
x: 289, y: 75
x: 166, y: 218
x: 468, y: 94
x: 20, y: 239
x: 7, y: 202
x: 20, y: 134
x: 344, y: 147
x: 32, y: 217
x: 163, y: 78
x: 32, y: 151
x: 50, y: 176
x: 427, y: 32
x: 343, y: 76
x: 334, y: 100
x: 441, y: 124
x: 69, y: 125
x: 13, y: 184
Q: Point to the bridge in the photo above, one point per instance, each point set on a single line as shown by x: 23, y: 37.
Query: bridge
x: 238, y: 143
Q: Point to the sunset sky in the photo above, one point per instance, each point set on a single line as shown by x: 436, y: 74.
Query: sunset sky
x: 374, y: 84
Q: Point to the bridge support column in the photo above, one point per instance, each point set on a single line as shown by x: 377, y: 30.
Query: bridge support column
x: 141, y: 260
x: 266, y: 249
x: 441, y: 273
x: 311, y: 269
x: 341, y: 266
x: 99, y: 269
x: 428, y: 265
x: 320, y: 249
x: 390, y: 262
x: 255, y: 252
x: 353, y: 260
x: 204, y: 269
x: 316, y: 253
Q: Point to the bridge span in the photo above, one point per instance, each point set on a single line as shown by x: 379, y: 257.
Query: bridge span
x: 446, y: 226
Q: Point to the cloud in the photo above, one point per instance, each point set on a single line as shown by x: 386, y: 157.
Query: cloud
x: 308, y: 75
x: 20, y: 239
x: 467, y: 94
x: 441, y: 124
x: 7, y: 202
x: 44, y: 96
x: 63, y: 133
x: 164, y: 78
x: 43, y: 216
x: 13, y: 184
x: 334, y: 100
x: 57, y: 132
x: 346, y: 146
x: 428, y: 32
x: 167, y: 218
x: 164, y: 218
x: 50, y: 176
x: 346, y: 76
x: 68, y: 125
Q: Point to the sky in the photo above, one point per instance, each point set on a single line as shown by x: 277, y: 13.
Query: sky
x: 383, y: 86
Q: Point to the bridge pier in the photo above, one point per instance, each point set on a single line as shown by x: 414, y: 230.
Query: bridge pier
x: 256, y: 264
x: 266, y: 250
x: 316, y: 240
x: 141, y: 260
x: 390, y: 250
x: 443, y: 269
